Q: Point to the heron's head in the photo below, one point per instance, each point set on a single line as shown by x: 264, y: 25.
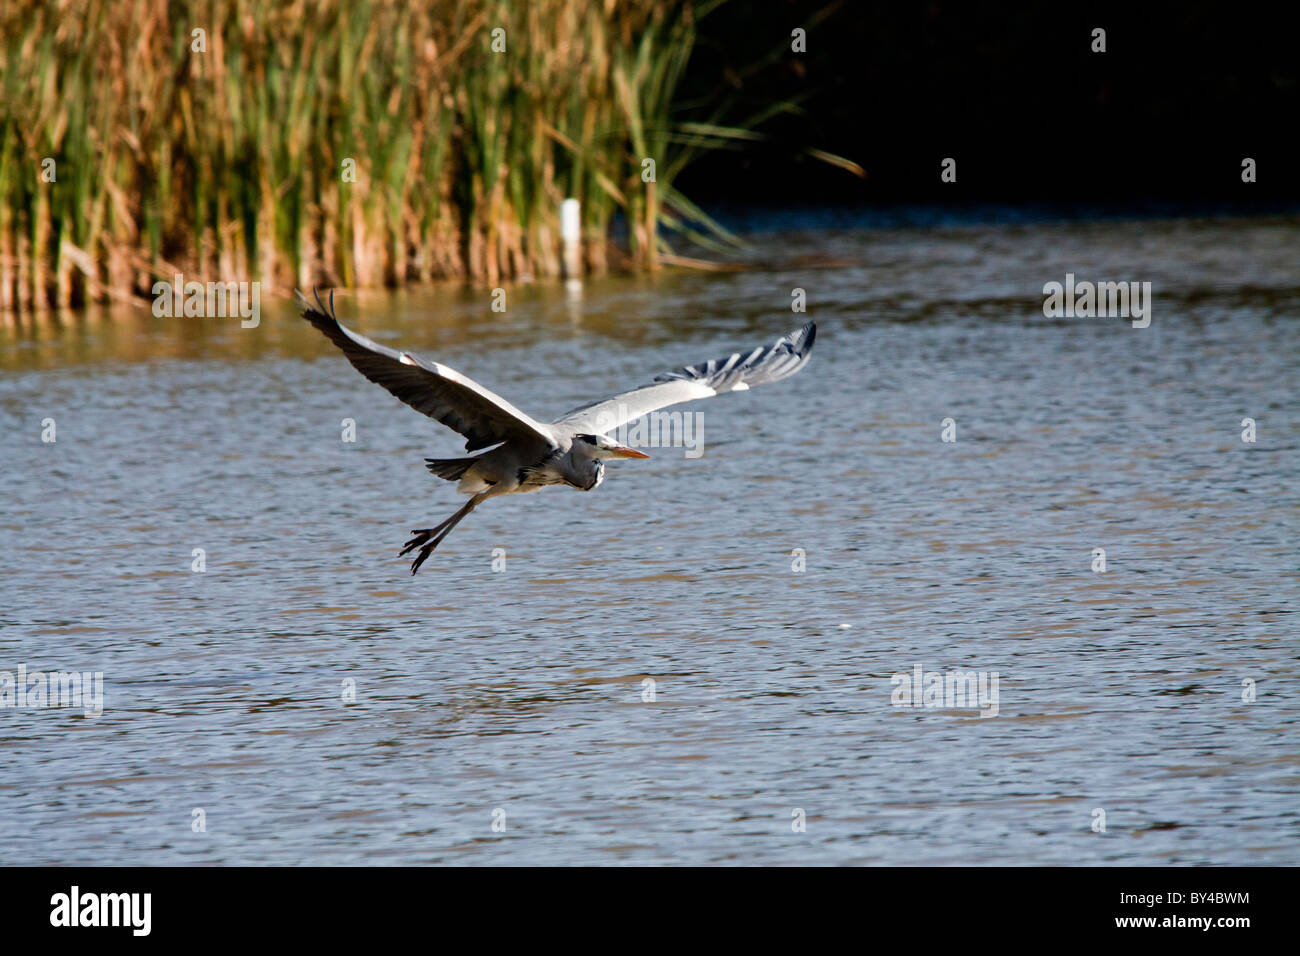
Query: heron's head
x: 598, y: 446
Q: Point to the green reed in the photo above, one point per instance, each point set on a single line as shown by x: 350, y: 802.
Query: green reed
x: 230, y: 163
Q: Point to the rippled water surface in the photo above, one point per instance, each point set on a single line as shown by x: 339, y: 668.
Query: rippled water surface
x: 521, y: 690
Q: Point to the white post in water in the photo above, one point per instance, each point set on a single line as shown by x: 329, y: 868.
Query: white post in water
x: 571, y: 233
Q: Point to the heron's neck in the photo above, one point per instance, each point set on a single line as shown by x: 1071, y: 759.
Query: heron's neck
x: 584, y: 471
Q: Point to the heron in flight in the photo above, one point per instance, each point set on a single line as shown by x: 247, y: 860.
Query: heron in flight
x: 528, y: 454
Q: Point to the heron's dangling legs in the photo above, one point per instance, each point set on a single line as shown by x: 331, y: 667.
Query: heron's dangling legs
x: 430, y: 538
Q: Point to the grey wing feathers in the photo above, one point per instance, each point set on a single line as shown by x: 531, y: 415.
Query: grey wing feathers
x: 440, y: 392
x: 736, y: 372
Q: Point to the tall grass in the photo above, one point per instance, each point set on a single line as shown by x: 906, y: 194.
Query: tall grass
x: 228, y: 164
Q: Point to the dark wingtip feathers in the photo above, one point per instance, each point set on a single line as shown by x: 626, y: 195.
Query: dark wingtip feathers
x: 769, y: 363
x: 313, y: 313
x: 800, y: 341
x: 811, y: 330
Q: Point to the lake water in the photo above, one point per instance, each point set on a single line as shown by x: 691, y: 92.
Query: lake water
x: 480, y: 690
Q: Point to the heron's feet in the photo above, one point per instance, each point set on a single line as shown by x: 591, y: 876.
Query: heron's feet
x: 426, y: 539
x: 421, y: 535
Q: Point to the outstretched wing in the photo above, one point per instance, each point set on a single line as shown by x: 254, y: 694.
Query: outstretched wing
x: 735, y: 373
x: 429, y: 387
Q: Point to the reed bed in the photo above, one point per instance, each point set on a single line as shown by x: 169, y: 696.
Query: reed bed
x: 230, y: 164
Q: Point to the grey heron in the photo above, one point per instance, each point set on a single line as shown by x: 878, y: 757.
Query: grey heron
x: 528, y: 454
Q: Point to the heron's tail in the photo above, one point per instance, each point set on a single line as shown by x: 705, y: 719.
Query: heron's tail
x: 452, y: 469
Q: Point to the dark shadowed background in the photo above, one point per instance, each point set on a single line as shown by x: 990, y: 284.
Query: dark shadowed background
x: 1013, y: 92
